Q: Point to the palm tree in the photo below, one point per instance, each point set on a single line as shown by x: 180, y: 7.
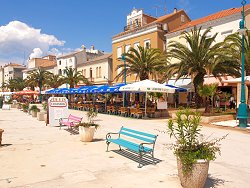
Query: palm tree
x: 55, y: 81
x: 206, y: 91
x: 144, y: 62
x: 199, y: 58
x: 72, y: 77
x: 38, y: 78
x: 16, y: 84
x: 233, y: 43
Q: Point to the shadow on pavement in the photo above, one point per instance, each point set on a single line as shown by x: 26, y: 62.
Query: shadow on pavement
x: 5, y: 145
x: 214, y: 182
x: 146, y: 159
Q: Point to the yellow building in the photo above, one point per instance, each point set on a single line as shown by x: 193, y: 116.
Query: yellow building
x: 144, y: 30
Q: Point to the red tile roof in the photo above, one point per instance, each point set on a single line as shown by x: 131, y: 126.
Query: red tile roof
x: 211, y: 17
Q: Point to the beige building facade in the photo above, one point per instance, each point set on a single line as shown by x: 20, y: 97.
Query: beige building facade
x: 98, y: 70
x: 144, y: 30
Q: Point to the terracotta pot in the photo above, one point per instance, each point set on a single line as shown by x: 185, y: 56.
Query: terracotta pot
x: 86, y: 133
x: 1, y: 134
x: 197, y: 177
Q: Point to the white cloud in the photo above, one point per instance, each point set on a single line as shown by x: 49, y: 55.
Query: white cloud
x: 37, y: 52
x: 17, y: 39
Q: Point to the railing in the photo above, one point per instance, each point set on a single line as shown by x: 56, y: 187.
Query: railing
x: 132, y: 26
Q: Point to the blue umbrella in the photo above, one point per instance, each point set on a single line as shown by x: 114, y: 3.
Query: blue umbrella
x: 100, y: 89
x: 82, y: 89
x: 115, y: 88
x: 73, y: 90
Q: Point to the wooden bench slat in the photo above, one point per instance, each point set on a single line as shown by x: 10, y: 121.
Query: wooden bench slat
x: 129, y: 145
x: 136, y: 136
x: 139, y: 132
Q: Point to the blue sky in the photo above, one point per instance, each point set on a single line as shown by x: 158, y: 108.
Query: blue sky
x: 64, y: 25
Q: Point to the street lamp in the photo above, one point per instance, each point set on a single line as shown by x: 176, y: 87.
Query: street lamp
x: 124, y: 93
x: 242, y: 111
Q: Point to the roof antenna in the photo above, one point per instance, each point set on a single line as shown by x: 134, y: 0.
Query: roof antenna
x: 165, y: 7
x: 156, y: 10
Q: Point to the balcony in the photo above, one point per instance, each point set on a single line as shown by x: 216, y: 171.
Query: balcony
x: 133, y: 26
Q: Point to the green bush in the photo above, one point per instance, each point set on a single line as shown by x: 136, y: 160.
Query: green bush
x: 190, y: 144
x: 34, y: 108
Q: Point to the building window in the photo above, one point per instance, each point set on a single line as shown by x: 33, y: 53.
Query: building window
x: 84, y: 72
x: 182, y: 18
x: 96, y: 72
x: 224, y: 34
x: 70, y: 60
x: 60, y: 62
x: 147, y: 44
x: 119, y: 52
x: 90, y: 73
x: 100, y: 72
x: 136, y: 45
x: 127, y: 48
x: 60, y: 72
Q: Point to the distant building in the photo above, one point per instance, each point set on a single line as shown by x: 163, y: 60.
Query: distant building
x: 11, y: 71
x: 72, y: 60
x: 97, y: 70
x: 144, y: 30
x: 47, y: 63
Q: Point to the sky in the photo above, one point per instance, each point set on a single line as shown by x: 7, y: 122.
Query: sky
x: 35, y: 28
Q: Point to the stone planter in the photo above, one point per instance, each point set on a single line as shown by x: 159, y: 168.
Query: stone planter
x: 33, y: 113
x: 86, y: 133
x: 1, y: 134
x: 195, y: 179
x: 40, y: 116
x: 45, y: 117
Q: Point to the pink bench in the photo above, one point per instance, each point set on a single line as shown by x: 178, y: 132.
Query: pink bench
x: 71, y: 121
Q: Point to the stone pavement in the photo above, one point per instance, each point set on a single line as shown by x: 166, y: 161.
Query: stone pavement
x: 35, y: 155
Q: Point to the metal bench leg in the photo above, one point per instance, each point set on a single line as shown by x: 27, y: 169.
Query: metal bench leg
x: 153, y: 158
x: 140, y: 161
x: 107, y: 146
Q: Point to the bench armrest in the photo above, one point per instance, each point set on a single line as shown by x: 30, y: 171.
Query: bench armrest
x: 141, y: 147
x: 62, y: 119
x: 108, y: 136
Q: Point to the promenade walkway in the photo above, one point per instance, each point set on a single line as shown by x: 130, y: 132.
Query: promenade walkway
x: 35, y: 155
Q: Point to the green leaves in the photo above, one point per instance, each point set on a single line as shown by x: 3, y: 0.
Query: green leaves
x: 144, y: 62
x: 73, y: 77
x: 185, y: 128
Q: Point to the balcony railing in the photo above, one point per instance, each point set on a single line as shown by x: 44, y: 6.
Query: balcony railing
x: 132, y: 26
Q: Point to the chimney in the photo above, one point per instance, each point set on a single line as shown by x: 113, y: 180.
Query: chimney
x: 83, y: 47
x: 92, y: 47
x: 175, y: 10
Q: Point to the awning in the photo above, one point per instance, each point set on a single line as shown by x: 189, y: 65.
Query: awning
x: 185, y: 83
x: 179, y: 89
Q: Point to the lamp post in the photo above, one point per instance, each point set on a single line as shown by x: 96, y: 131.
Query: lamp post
x: 124, y: 94
x: 242, y: 111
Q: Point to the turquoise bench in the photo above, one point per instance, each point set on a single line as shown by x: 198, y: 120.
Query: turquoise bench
x: 136, y: 141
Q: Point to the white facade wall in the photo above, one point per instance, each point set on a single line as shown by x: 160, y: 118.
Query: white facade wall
x: 101, y: 71
x: 223, y: 26
x: 62, y: 63
x: 8, y: 73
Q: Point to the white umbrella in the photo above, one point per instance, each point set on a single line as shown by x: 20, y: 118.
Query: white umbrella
x: 147, y: 86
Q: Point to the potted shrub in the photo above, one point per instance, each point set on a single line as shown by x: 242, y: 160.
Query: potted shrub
x: 25, y: 107
x: 193, y: 153
x: 34, y: 109
x: 87, y: 129
x: 1, y: 134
